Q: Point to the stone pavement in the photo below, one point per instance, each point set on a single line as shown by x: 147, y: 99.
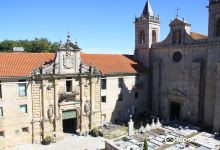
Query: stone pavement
x: 70, y: 142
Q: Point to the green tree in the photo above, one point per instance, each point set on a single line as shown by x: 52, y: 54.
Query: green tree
x: 145, y: 144
x: 37, y: 45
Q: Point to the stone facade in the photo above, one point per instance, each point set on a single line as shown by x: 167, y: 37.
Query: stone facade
x: 65, y: 88
x: 184, y: 71
x: 14, y: 122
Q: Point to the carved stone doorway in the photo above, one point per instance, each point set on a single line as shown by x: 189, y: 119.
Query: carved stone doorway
x: 175, y: 109
x: 69, y: 119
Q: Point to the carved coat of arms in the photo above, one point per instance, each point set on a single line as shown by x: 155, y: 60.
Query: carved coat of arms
x: 68, y: 60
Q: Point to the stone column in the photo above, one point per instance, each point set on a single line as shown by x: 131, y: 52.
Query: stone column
x: 91, y: 102
x: 36, y: 105
x: 43, y: 108
x: 57, y: 119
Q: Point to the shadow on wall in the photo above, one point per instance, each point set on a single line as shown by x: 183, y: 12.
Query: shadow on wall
x: 125, y: 106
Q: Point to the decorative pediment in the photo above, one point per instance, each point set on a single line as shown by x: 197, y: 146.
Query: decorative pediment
x: 176, y: 94
x: 178, y: 22
x: 47, y: 67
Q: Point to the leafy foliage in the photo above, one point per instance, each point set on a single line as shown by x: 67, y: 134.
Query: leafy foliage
x: 35, y: 46
x: 94, y: 132
x: 48, y: 138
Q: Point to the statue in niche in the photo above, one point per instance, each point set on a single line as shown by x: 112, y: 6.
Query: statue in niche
x: 51, y: 113
x: 68, y: 60
x: 87, y: 108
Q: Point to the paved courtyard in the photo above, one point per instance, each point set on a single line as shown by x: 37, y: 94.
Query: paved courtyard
x: 70, y: 142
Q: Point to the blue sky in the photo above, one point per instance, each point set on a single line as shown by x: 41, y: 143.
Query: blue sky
x: 101, y: 26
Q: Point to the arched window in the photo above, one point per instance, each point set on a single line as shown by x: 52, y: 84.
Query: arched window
x: 141, y: 37
x: 154, y: 36
x: 177, y: 36
x: 218, y: 27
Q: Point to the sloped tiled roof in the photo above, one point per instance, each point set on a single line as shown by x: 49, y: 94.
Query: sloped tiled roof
x: 21, y: 64
x: 113, y: 63
x: 198, y: 36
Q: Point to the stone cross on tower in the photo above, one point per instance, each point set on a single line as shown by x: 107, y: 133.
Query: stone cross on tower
x: 177, y: 12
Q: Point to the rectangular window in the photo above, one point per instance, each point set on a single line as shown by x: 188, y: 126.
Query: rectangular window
x: 0, y: 90
x: 24, y: 129
x: 120, y: 97
x: 137, y: 80
x: 2, y: 134
x: 1, y: 111
x: 23, y: 108
x: 103, y: 99
x: 120, y: 82
x: 103, y: 84
x: 136, y: 95
x: 69, y: 86
x: 22, y: 88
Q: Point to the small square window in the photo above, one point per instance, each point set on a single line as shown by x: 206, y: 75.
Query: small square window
x: 22, y: 88
x: 103, y: 84
x: 23, y: 108
x: 136, y: 95
x: 2, y: 134
x: 120, y: 82
x: 1, y: 111
x: 120, y: 97
x: 103, y: 99
x: 25, y: 129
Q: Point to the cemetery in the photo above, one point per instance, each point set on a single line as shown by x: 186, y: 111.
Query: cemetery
x: 164, y: 137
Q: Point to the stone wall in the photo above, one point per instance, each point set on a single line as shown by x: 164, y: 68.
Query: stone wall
x: 178, y: 81
x: 13, y: 120
x: 113, y: 109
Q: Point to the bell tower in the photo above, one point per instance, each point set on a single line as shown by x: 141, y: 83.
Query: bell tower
x: 147, y: 28
x: 214, y: 20
x: 147, y: 31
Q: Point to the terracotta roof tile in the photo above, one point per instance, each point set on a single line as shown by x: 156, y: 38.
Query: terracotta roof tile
x: 21, y: 64
x: 198, y: 36
x: 113, y: 63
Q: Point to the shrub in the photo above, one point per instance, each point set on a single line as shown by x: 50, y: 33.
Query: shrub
x: 94, y: 132
x: 145, y: 144
x: 47, y: 140
x: 125, y: 139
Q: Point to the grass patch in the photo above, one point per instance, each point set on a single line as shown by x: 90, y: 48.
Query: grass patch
x: 116, y: 133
